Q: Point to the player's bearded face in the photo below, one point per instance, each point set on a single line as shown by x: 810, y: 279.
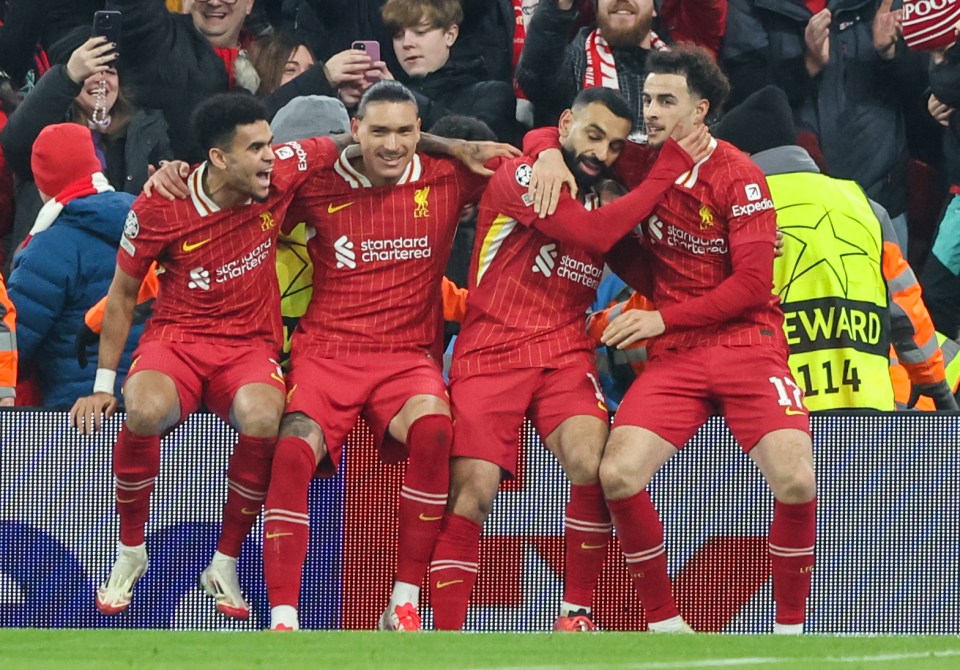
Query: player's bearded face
x: 670, y: 109
x: 388, y: 136
x: 592, y: 138
x: 624, y: 23
x: 249, y: 162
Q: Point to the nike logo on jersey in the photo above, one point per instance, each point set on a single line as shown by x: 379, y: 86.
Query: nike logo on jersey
x: 275, y: 376
x: 793, y: 412
x: 123, y: 501
x: 424, y: 517
x: 332, y: 209
x: 443, y: 585
x: 187, y: 247
x: 584, y: 545
x: 271, y: 536
x: 250, y: 512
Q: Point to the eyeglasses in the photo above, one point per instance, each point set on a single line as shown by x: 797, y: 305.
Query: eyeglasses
x: 223, y: 2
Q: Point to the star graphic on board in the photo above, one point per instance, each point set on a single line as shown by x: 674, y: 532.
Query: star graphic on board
x: 825, y: 243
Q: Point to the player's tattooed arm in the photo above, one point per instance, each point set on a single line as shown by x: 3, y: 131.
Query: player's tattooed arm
x: 475, y: 155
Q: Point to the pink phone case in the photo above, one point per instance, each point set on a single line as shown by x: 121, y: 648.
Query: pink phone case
x: 372, y: 47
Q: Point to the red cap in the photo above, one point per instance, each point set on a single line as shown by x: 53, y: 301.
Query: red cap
x: 930, y: 24
x: 62, y: 154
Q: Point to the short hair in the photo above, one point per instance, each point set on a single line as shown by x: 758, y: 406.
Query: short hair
x: 385, y: 90
x: 460, y: 127
x: 697, y: 65
x: 608, y: 97
x: 215, y: 120
x: 400, y: 14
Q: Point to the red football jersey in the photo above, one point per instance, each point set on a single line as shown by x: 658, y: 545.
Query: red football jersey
x: 528, y: 292
x: 378, y: 255
x: 218, y: 279
x: 722, y: 202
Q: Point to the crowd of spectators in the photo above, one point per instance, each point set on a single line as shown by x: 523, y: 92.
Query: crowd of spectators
x: 870, y: 101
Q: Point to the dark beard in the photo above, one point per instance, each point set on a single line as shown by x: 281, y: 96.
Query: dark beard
x: 584, y: 180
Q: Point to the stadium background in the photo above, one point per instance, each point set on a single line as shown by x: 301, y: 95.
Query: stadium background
x: 888, y: 548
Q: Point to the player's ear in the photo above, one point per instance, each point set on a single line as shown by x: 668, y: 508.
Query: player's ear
x: 701, y: 110
x: 217, y: 158
x: 566, y: 120
x: 354, y: 128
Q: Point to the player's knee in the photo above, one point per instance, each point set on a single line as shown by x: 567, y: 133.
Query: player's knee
x: 617, y: 477
x: 583, y: 465
x: 795, y: 486
x: 470, y: 503
x: 150, y: 414
x: 257, y: 416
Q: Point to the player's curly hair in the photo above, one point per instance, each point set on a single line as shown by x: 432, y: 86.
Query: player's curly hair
x: 215, y: 120
x: 697, y: 65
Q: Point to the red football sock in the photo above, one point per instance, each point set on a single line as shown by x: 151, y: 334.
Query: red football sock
x: 586, y: 536
x: 286, y: 527
x: 247, y: 478
x: 424, y: 494
x: 793, y: 535
x: 641, y: 537
x: 453, y: 571
x: 136, y: 464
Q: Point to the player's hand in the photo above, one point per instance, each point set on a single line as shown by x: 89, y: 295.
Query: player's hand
x: 632, y: 326
x: 475, y: 155
x: 939, y: 111
x: 550, y: 174
x: 94, y: 56
x: 778, y: 244
x: 942, y: 396
x: 88, y: 413
x: 697, y: 143
x: 9, y: 401
x: 169, y: 181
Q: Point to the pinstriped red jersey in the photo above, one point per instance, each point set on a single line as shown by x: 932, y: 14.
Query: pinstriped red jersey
x: 528, y: 292
x: 219, y: 280
x: 722, y: 202
x: 378, y: 255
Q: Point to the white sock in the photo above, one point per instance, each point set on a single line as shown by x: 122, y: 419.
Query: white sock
x: 405, y: 593
x: 788, y: 629
x: 286, y: 615
x: 223, y: 558
x: 566, y: 609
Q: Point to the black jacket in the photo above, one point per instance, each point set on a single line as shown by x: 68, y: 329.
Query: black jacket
x: 458, y: 88
x: 854, y: 106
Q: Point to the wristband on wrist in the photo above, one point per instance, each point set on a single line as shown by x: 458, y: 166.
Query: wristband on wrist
x: 104, y: 381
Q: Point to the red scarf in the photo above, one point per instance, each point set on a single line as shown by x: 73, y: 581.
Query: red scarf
x: 229, y: 56
x: 601, y: 68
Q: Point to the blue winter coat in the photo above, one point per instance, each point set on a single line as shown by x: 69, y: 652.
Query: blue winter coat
x: 61, y: 273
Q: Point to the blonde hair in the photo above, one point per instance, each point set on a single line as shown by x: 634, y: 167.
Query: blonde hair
x: 400, y: 14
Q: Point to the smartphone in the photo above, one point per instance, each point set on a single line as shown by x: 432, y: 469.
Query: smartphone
x: 106, y: 23
x: 372, y: 47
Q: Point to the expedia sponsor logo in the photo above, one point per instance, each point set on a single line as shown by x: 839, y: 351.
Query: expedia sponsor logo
x: 751, y: 208
x: 812, y: 325
x: 922, y: 8
x: 247, y: 262
x: 291, y: 149
x: 397, y: 249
